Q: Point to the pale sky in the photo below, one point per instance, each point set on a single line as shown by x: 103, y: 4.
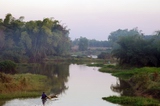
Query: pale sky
x: 93, y: 19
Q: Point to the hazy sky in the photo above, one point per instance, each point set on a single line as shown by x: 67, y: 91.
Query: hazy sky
x: 93, y: 19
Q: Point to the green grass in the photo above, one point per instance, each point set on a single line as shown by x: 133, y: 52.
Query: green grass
x: 19, y: 94
x: 132, y: 101
x: 110, y: 68
x: 23, y: 85
x: 96, y: 64
x: 125, y: 74
x: 143, y: 81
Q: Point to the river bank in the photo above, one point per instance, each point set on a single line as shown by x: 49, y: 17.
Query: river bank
x: 142, y: 82
x: 79, y: 79
x: 22, y: 85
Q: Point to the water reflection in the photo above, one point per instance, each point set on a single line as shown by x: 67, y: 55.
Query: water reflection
x: 83, y: 86
x: 123, y: 88
x: 57, y: 74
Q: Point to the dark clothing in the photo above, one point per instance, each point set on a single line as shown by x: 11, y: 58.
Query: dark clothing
x: 44, y: 101
x: 44, y: 98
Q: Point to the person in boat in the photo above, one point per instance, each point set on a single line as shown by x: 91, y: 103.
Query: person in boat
x: 44, y: 98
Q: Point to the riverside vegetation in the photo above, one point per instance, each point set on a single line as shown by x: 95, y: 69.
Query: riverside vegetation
x: 14, y: 85
x: 138, y: 69
x: 22, y: 85
x: 38, y: 41
x: 143, y: 85
x: 30, y: 42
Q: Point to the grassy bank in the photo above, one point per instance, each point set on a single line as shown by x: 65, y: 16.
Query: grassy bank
x: 143, y: 82
x: 22, y: 85
x: 132, y: 101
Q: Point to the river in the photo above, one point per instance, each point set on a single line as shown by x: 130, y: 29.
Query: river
x: 85, y: 86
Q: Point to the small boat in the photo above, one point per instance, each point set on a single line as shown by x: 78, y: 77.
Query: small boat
x: 52, y: 96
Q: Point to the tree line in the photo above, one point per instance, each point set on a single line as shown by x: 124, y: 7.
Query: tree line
x: 84, y: 43
x: 32, y: 40
x: 132, y: 48
x: 35, y: 40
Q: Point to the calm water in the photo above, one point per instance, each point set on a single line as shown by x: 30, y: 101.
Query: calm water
x: 85, y: 86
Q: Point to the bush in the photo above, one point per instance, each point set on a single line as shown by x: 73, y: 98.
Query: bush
x: 8, y: 66
x: 104, y: 55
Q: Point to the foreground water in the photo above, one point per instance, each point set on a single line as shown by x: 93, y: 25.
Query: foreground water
x: 86, y: 87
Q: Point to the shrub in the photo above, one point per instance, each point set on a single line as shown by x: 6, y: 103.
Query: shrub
x: 8, y: 66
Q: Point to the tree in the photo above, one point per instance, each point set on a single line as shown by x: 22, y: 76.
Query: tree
x: 8, y: 67
x: 116, y: 35
x: 157, y: 33
x: 2, y: 37
x: 95, y: 43
x: 83, y: 43
x: 104, y: 55
x: 137, y: 51
x: 33, y: 39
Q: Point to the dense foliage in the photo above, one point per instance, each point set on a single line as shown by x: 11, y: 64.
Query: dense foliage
x: 137, y: 50
x: 115, y: 35
x: 104, y: 55
x: 8, y: 67
x: 83, y: 44
x: 33, y: 40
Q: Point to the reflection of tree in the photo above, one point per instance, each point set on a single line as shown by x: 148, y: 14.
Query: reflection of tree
x: 57, y: 75
x: 123, y: 88
x: 61, y: 73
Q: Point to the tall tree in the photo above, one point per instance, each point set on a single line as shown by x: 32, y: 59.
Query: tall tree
x: 34, y: 39
x: 114, y: 36
x: 138, y: 51
x: 83, y: 43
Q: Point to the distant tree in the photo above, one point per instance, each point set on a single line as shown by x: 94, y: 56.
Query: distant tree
x: 2, y: 37
x: 83, y: 43
x: 116, y: 35
x: 96, y: 43
x: 104, y: 55
x: 93, y: 43
x: 157, y: 33
x: 75, y: 42
x: 136, y: 50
